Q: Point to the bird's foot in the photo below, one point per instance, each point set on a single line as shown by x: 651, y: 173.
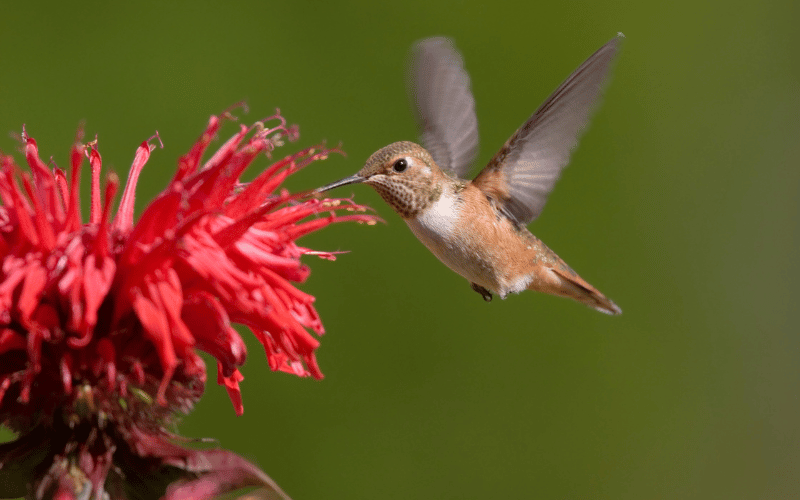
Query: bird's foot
x: 486, y: 294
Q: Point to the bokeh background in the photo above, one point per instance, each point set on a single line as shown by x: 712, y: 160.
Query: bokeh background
x: 681, y: 204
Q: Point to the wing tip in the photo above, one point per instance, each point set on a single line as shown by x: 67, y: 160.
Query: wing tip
x: 614, y: 43
x: 617, y: 41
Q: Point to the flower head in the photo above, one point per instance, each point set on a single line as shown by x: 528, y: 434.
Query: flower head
x: 101, y: 321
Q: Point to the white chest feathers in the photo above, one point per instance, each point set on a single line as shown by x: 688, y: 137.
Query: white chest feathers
x: 441, y: 228
x: 435, y: 225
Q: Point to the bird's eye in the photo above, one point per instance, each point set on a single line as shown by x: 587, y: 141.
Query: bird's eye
x: 400, y: 165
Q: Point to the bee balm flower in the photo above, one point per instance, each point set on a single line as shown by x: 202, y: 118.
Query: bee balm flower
x: 101, y: 321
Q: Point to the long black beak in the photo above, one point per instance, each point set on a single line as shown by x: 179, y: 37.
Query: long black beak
x: 353, y: 179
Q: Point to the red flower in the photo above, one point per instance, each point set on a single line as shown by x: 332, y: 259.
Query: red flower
x: 100, y: 322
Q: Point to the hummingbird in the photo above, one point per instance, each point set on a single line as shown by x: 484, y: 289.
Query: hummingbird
x: 478, y: 228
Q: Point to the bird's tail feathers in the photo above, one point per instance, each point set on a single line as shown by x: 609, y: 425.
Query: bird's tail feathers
x: 571, y: 285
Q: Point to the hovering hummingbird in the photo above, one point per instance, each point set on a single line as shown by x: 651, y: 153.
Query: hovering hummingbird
x: 478, y: 228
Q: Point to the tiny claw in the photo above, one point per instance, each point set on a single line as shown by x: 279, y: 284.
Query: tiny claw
x: 486, y: 294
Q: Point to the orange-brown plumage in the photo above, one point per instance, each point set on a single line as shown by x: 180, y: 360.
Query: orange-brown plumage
x: 478, y: 228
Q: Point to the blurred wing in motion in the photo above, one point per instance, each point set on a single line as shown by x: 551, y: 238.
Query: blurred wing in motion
x: 524, y: 171
x: 445, y: 109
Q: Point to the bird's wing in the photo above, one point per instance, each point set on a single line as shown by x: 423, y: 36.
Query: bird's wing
x: 445, y: 109
x: 524, y: 171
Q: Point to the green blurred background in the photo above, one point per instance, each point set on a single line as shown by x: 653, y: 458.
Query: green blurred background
x: 681, y: 204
